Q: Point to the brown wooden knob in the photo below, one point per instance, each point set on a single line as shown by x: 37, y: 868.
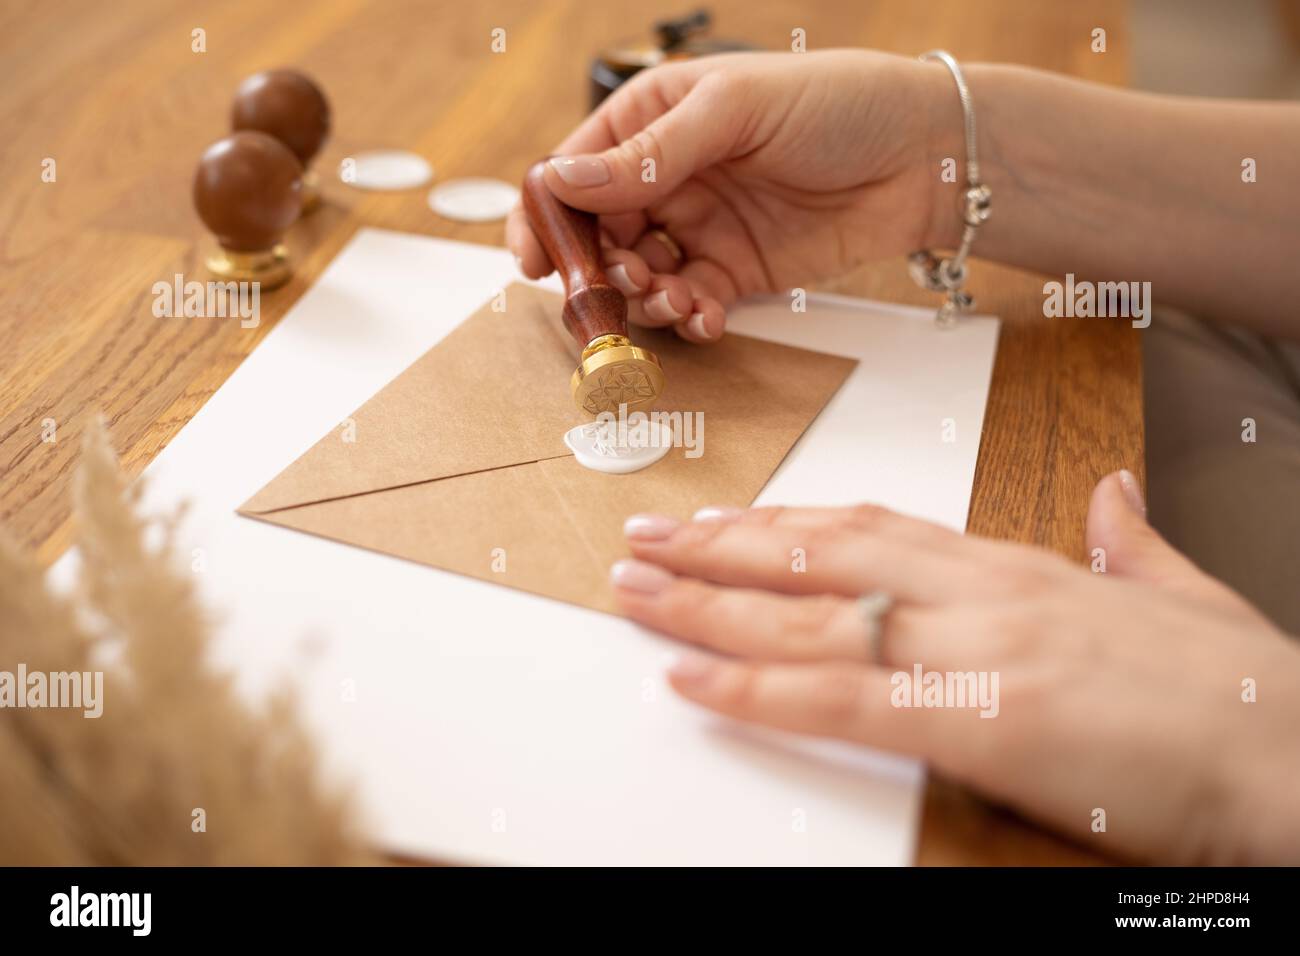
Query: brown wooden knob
x: 247, y: 190
x: 571, y: 238
x: 286, y: 104
x: 612, y: 372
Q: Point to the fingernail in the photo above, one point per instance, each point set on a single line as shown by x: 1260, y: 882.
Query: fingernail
x: 659, y: 308
x: 693, y: 670
x: 698, y: 327
x: 622, y: 281
x: 581, y: 170
x: 649, y: 527
x: 1132, y: 491
x: 716, y: 513
x: 639, y: 576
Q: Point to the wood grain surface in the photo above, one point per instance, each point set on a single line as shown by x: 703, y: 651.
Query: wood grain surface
x: 115, y: 95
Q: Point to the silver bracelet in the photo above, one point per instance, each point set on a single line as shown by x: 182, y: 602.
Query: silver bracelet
x: 947, y: 275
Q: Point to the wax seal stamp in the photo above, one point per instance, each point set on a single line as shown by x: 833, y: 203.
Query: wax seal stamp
x: 616, y: 448
x: 612, y: 371
x: 248, y: 191
x: 288, y: 105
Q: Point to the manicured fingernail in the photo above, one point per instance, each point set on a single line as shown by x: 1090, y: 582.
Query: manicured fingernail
x: 716, y: 513
x: 698, y: 326
x: 649, y: 527
x: 581, y: 170
x: 693, y: 670
x: 622, y: 281
x: 659, y: 308
x: 639, y: 576
x: 1132, y: 492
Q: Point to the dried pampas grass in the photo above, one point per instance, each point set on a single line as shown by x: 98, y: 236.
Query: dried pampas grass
x: 177, y: 770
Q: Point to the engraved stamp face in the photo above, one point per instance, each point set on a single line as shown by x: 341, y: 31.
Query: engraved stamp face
x: 618, y: 385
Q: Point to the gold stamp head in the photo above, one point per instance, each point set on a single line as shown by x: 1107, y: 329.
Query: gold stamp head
x: 271, y: 268
x: 615, y: 372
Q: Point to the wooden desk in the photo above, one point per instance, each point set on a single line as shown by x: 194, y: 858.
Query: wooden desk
x: 114, y: 93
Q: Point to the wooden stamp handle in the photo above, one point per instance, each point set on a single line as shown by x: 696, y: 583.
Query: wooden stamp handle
x: 571, y: 238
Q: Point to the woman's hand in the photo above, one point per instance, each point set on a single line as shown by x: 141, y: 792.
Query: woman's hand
x: 1121, y: 691
x: 743, y: 173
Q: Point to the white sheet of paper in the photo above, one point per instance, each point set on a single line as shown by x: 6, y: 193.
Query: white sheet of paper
x: 480, y: 724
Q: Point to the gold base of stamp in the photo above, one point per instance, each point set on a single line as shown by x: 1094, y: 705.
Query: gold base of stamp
x: 310, y: 193
x: 615, y: 372
x: 271, y: 268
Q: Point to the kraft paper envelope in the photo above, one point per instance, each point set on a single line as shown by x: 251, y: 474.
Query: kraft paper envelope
x: 460, y: 461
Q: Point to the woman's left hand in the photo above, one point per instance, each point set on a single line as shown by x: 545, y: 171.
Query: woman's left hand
x: 1131, y: 692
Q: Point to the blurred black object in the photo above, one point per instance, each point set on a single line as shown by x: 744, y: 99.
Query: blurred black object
x: 676, y: 39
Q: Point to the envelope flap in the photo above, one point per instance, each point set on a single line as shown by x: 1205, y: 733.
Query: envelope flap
x: 493, y: 393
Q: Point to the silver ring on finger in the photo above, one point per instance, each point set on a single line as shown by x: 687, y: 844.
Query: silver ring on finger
x: 873, y: 606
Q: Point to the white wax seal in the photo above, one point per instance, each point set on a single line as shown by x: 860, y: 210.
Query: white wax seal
x: 619, y: 448
x: 474, y: 199
x: 386, y: 169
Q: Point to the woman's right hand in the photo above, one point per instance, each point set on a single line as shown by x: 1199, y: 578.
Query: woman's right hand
x: 766, y: 170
